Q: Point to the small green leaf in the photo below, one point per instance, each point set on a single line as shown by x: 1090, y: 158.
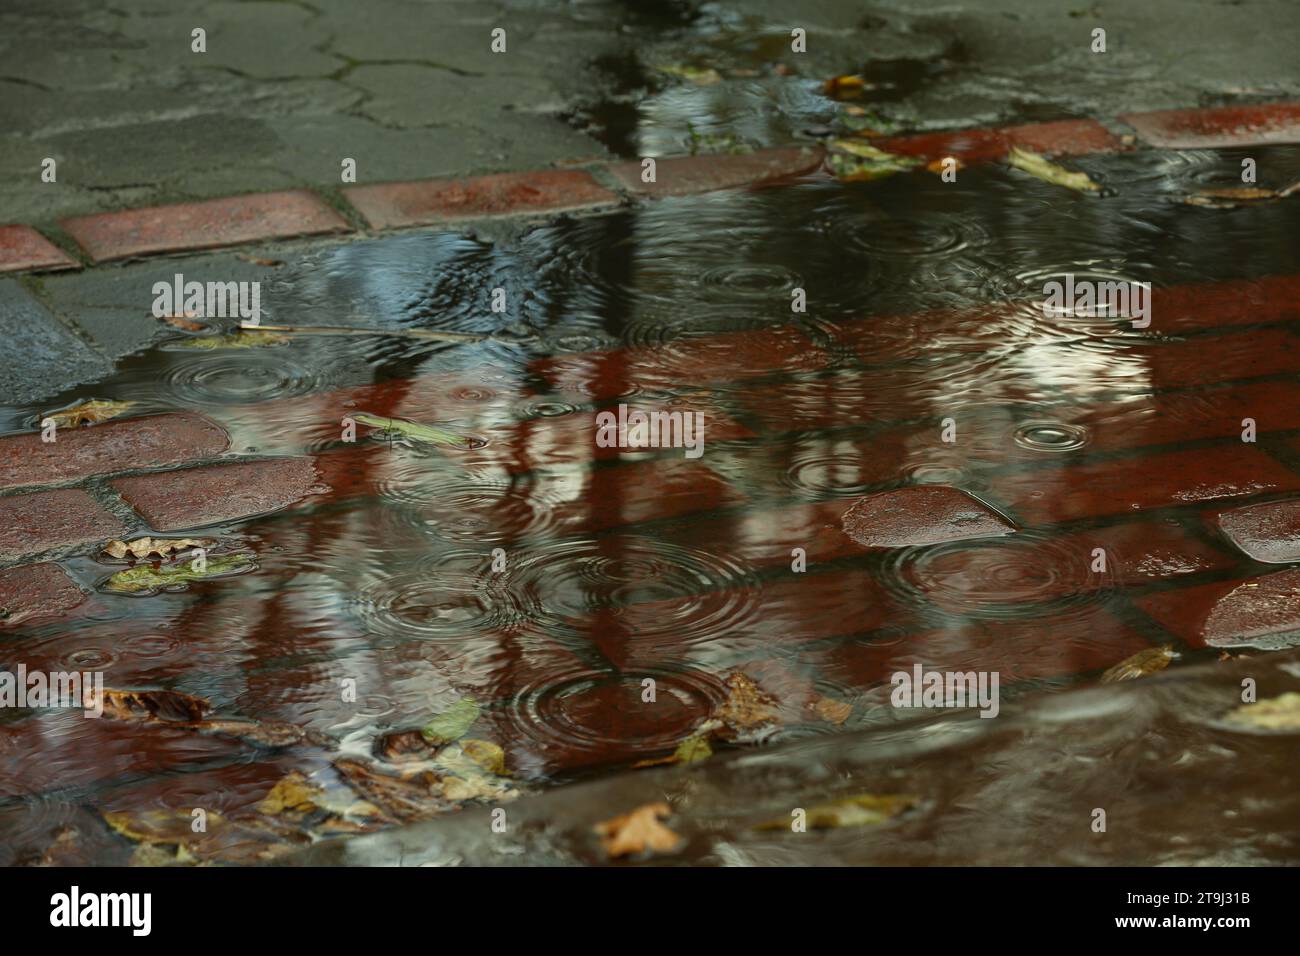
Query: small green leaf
x: 859, y: 162
x: 145, y: 578
x: 1048, y: 171
x: 693, y: 749
x: 413, y: 430
x: 453, y: 723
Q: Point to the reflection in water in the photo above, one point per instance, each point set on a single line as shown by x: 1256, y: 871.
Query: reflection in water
x: 593, y: 602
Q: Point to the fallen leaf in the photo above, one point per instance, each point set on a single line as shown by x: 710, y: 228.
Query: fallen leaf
x: 691, y: 750
x: 1048, y: 171
x: 266, y: 733
x: 485, y: 754
x: 700, y: 76
x: 185, y: 322
x: 259, y: 261
x: 638, y: 831
x: 402, y: 799
x: 830, y: 710
x: 845, y: 87
x: 746, y: 706
x: 146, y: 579
x: 293, y: 794
x: 853, y: 161
x: 943, y: 163
x: 89, y: 412
x: 413, y: 430
x: 862, y: 810
x: 1273, y: 713
x: 1233, y: 197
x: 1141, y: 664
x: 169, y: 705
x: 143, y: 547
x: 236, y: 340
x: 405, y: 745
x: 453, y: 723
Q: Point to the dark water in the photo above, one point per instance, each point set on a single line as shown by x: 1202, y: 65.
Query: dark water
x: 924, y: 304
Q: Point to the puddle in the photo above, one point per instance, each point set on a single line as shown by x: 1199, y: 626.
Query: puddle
x: 556, y: 582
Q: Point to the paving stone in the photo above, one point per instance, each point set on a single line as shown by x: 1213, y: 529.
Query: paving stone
x: 685, y: 175
x: 394, y: 205
x: 920, y: 515
x: 1259, y: 612
x: 693, y: 361
x: 22, y: 248
x: 48, y: 520
x: 203, y: 225
x: 1064, y: 138
x: 195, y: 497
x: 1269, y: 532
x: 124, y: 445
x: 1218, y: 126
x: 36, y: 591
x: 41, y: 356
x: 1042, y: 496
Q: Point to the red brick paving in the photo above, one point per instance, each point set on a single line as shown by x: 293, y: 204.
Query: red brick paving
x: 1063, y: 138
x: 176, y: 500
x: 694, y: 360
x: 122, y: 445
x: 23, y: 248
x: 210, y: 224
x: 685, y: 175
x: 35, y: 591
x: 1218, y: 126
x: 46, y: 520
x: 1044, y: 496
x: 925, y: 514
x: 1231, y: 613
x: 1268, y: 532
x: 394, y: 205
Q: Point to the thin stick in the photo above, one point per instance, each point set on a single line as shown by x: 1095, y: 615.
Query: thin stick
x: 342, y: 330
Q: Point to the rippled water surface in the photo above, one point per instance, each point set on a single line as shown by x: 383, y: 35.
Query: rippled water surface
x: 620, y: 566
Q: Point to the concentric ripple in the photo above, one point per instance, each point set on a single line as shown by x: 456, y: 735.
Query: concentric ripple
x: 1026, y: 293
x: 477, y: 508
x: 248, y: 377
x: 604, y: 716
x: 1018, y: 576
x: 928, y: 235
x: 1050, y: 436
x: 447, y: 598
x: 649, y: 588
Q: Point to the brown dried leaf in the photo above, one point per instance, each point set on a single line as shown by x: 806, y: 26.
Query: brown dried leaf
x: 185, y: 321
x: 830, y: 710
x: 845, y: 87
x: 260, y: 261
x: 266, y: 733
x: 401, y: 798
x: 746, y: 706
x: 1141, y: 664
x: 143, y: 547
x: 88, y: 413
x: 405, y: 745
x: 166, y: 705
x: 638, y: 831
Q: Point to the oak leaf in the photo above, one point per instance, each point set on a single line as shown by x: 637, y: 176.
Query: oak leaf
x: 638, y: 831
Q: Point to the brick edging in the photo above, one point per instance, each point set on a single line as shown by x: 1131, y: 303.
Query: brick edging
x: 258, y: 217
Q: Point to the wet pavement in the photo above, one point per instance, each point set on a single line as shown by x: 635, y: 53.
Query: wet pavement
x: 927, y: 466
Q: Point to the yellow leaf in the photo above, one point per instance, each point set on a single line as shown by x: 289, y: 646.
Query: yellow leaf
x: 1048, y: 171
x: 1274, y: 713
x: 143, y: 547
x: 638, y: 831
x: 88, y: 413
x: 486, y: 754
x: 1141, y: 664
x: 746, y: 706
x: 863, y: 810
x: 293, y: 794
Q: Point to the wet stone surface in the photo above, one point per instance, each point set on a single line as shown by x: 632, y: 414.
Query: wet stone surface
x: 1096, y: 500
